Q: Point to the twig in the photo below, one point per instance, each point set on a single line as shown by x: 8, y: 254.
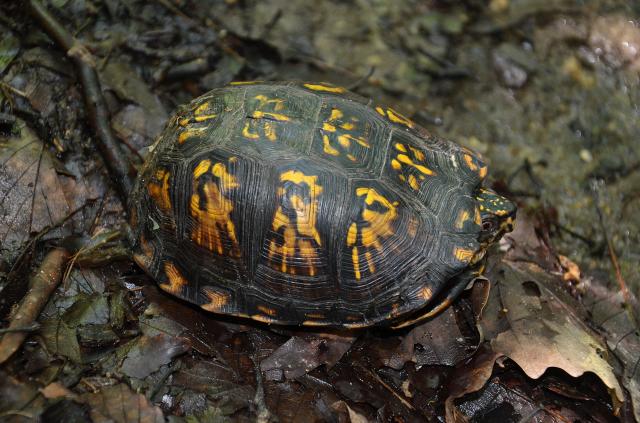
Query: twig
x: 116, y: 162
x: 42, y: 284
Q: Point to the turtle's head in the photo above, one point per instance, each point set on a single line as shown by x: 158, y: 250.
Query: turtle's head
x: 497, y: 213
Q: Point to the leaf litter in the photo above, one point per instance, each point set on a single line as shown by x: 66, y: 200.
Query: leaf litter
x: 110, y: 347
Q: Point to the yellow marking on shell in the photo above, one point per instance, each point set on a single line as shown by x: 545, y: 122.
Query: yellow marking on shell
x: 330, y: 127
x: 176, y: 280
x: 398, y: 118
x: 202, y: 168
x: 327, y: 148
x: 217, y: 300
x: 348, y: 126
x: 463, y: 216
x: 370, y: 263
x: 425, y: 293
x: 471, y: 164
x: 314, y: 323
x: 326, y: 88
x: 380, y: 111
x: 277, y: 103
x: 188, y: 133
x: 184, y: 121
x: 266, y: 310
x: 469, y: 161
x: 463, y: 254
x: 402, y: 159
x: 316, y: 316
x: 244, y: 82
x: 378, y: 226
x: 477, y: 218
x: 159, y: 191
x: 335, y: 114
x: 246, y: 132
x: 200, y: 113
x: 214, y: 223
x: 262, y: 318
x: 413, y: 183
x: 400, y: 147
x: 301, y: 238
x: 356, y: 262
x: 270, y: 131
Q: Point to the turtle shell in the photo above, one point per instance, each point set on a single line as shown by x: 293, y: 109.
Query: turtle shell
x: 305, y: 204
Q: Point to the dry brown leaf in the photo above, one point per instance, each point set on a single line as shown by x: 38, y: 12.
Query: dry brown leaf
x: 539, y: 328
x: 56, y: 390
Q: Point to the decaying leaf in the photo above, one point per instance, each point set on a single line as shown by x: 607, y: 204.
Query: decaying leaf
x: 31, y: 195
x: 119, y: 404
x: 150, y: 352
x: 538, y: 329
x: 438, y: 341
x: 620, y: 329
x: 300, y: 355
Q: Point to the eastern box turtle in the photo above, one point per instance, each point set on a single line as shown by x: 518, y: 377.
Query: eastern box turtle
x: 306, y: 204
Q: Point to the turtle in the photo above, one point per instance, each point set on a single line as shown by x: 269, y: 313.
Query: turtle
x: 305, y: 204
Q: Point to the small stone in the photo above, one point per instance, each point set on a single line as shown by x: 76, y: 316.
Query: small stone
x: 585, y: 156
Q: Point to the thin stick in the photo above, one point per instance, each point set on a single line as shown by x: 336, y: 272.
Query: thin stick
x: 42, y: 284
x: 98, y: 114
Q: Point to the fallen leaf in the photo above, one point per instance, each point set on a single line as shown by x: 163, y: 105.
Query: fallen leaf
x: 119, y: 404
x: 539, y: 329
x: 150, y: 352
x: 299, y: 356
x: 437, y: 341
x: 56, y: 390
x: 31, y: 195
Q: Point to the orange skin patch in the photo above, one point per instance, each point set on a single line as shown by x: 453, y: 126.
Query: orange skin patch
x: 214, y: 224
x: 217, y: 300
x: 176, y: 280
x: 159, y: 189
x: 264, y: 117
x: 338, y: 135
x: 395, y: 117
x: 406, y: 162
x: 301, y: 238
x: 326, y: 88
x: 377, y: 227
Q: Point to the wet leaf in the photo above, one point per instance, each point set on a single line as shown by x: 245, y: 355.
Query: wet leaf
x: 148, y: 353
x: 299, y: 356
x: 620, y: 329
x: 88, y: 310
x: 540, y: 329
x: 61, y: 339
x: 9, y: 48
x: 119, y: 404
x: 438, y: 341
x: 31, y: 195
x: 124, y: 80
